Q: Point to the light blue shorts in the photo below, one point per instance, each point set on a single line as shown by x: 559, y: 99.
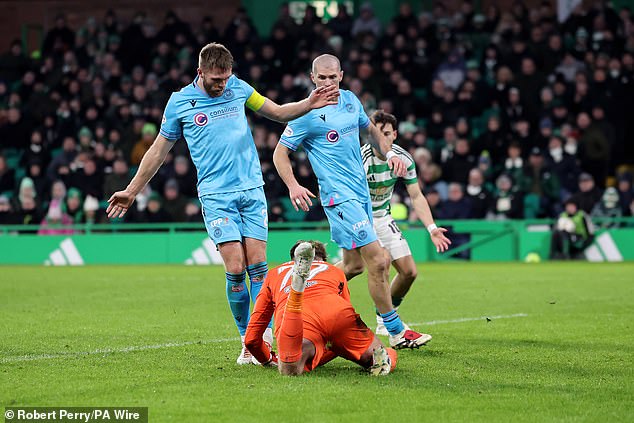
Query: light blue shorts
x: 233, y: 216
x: 351, y: 224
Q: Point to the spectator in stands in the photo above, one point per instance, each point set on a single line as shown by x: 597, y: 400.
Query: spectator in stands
x: 73, y: 205
x: 91, y: 211
x: 118, y: 179
x: 588, y: 194
x: 15, y: 132
x: 513, y: 165
x: 154, y: 213
x: 541, y: 186
x: 608, y: 208
x: 457, y: 168
x: 456, y: 207
x: 492, y: 140
x: 563, y: 165
x: 507, y: 202
x: 174, y: 203
x: 572, y: 234
x: 14, y: 63
x: 594, y: 149
x: 192, y: 212
x: 64, y: 158
x: 7, y: 176
x: 148, y: 134
x: 56, y: 221
x: 58, y: 191
x: 478, y: 195
x: 37, y: 151
x: 626, y: 194
x: 185, y: 176
x: 7, y: 216
x: 366, y: 23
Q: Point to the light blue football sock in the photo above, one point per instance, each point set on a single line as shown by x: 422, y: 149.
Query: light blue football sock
x: 392, y: 322
x: 238, y: 297
x: 257, y: 272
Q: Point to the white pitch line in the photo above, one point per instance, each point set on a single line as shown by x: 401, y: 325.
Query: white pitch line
x: 211, y: 341
x: 468, y: 319
x: 112, y: 350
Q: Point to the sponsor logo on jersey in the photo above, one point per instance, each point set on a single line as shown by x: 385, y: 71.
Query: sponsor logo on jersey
x: 349, y: 129
x: 163, y: 120
x: 219, y: 221
x: 228, y: 94
x: 200, y: 119
x: 322, y: 117
x: 288, y: 131
x: 360, y: 224
x: 223, y: 111
x: 192, y: 102
x: 332, y: 136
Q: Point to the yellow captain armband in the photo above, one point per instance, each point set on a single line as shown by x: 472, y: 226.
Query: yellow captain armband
x: 255, y: 101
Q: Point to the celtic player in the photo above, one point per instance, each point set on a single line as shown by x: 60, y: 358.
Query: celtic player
x: 381, y: 182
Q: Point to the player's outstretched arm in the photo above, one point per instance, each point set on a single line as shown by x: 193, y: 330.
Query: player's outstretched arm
x: 120, y: 201
x: 319, y: 97
x: 300, y: 196
x: 376, y: 138
x: 258, y: 322
x: 421, y: 206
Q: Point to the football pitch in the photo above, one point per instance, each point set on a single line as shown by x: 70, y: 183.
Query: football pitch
x: 512, y: 342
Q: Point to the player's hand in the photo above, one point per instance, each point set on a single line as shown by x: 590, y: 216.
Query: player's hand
x: 324, y: 96
x: 397, y: 166
x: 300, y: 197
x: 440, y: 240
x: 119, y: 203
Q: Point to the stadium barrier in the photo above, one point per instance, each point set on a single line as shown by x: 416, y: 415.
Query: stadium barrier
x: 186, y: 243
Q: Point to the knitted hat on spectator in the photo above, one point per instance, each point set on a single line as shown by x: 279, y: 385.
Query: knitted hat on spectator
x: 74, y: 193
x: 91, y: 204
x: 155, y: 197
x: 84, y: 132
x: 149, y: 128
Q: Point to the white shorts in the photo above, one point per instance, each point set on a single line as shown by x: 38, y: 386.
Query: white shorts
x: 391, y: 237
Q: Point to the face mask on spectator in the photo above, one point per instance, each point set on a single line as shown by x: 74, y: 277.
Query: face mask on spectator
x: 557, y: 153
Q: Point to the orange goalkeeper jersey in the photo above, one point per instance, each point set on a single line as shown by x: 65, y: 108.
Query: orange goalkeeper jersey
x: 326, y: 287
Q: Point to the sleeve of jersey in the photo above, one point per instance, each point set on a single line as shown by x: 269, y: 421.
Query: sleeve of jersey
x: 255, y: 100
x: 410, y: 176
x: 364, y: 120
x: 170, y: 125
x: 259, y: 320
x: 293, y: 134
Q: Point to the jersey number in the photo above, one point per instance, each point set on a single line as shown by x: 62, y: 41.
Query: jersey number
x: 392, y: 225
x: 313, y: 272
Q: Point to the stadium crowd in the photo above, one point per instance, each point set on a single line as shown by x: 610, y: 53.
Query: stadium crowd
x: 507, y: 115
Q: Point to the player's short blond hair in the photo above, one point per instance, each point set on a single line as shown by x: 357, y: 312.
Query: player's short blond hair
x: 215, y: 56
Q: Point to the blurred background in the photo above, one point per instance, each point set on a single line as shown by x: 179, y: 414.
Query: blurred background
x: 509, y: 108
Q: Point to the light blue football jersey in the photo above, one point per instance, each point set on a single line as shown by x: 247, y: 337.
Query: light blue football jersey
x: 330, y: 136
x: 217, y: 134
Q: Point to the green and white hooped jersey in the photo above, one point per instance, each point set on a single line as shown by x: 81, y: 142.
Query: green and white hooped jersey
x: 380, y: 179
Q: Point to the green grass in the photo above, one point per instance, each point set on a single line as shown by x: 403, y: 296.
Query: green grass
x: 569, y: 359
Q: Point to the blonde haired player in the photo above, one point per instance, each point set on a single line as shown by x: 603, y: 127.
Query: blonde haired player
x: 381, y: 182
